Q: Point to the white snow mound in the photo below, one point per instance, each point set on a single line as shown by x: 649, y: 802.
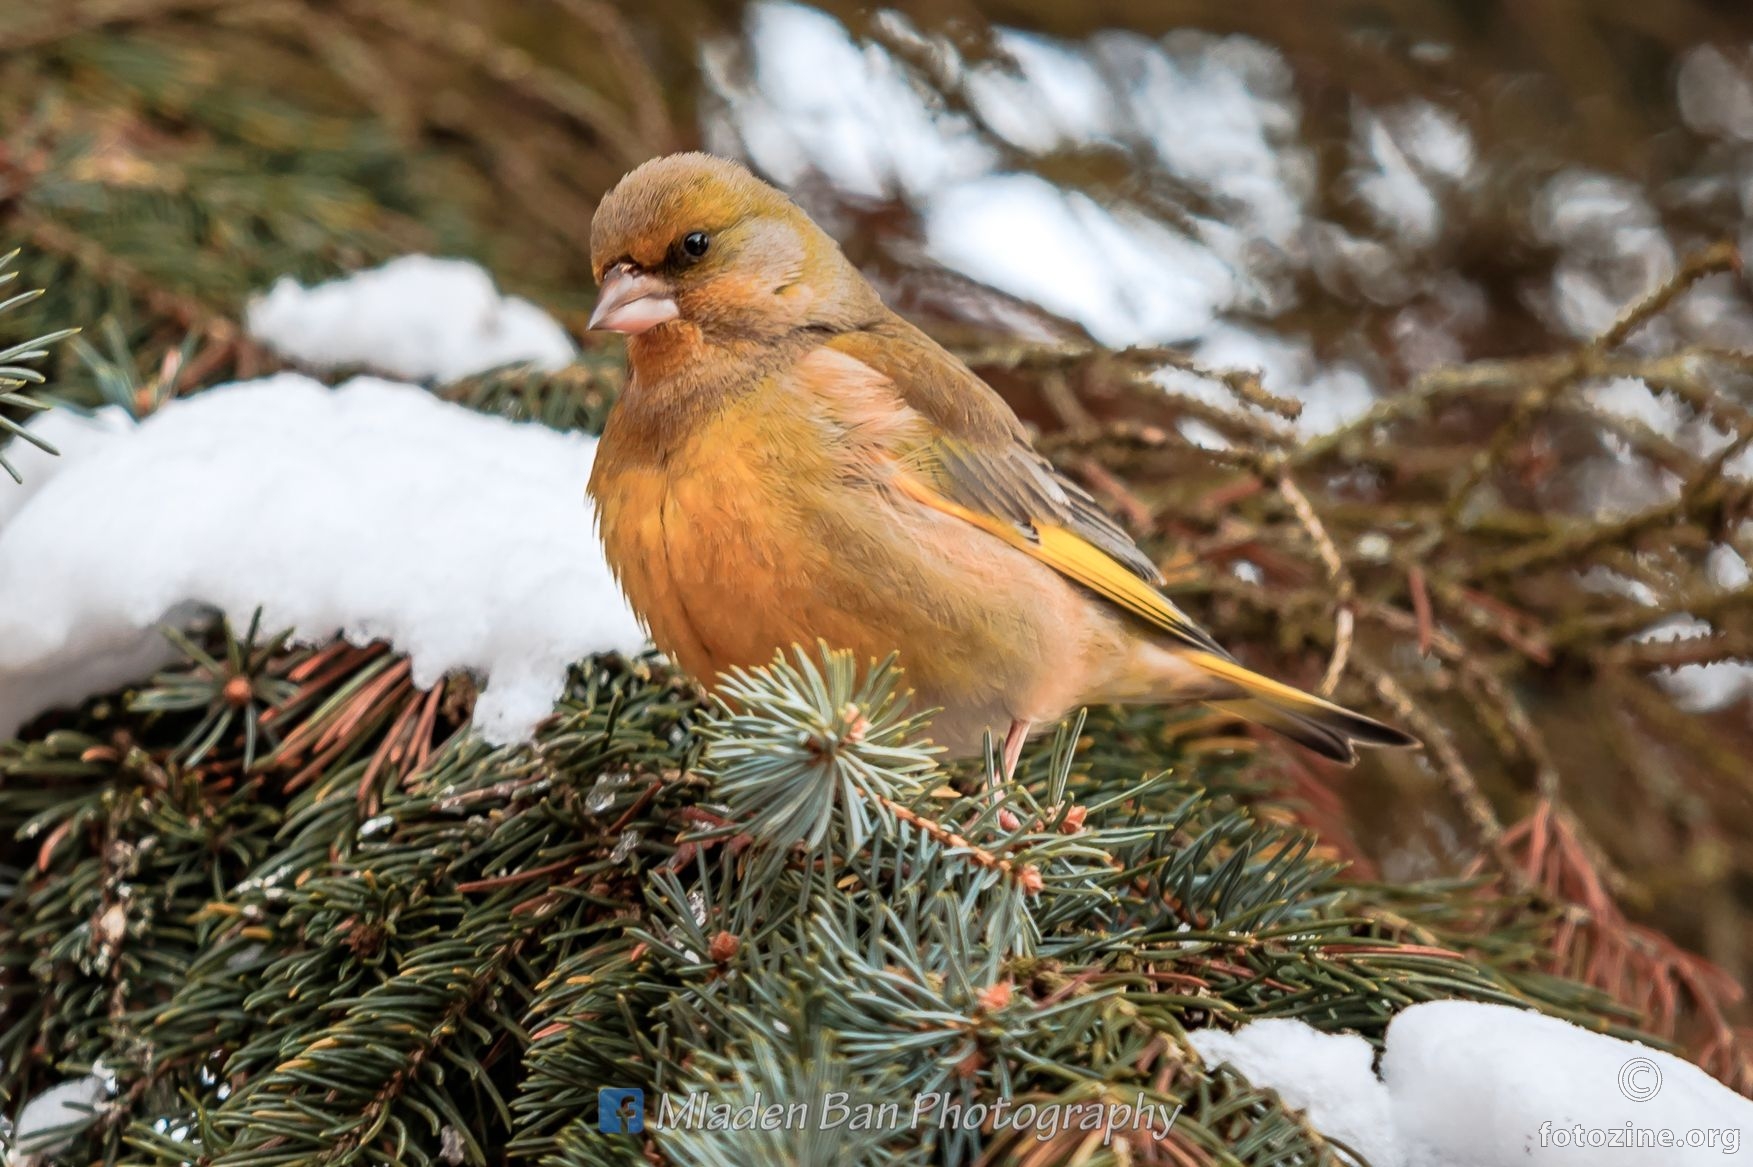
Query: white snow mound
x: 53, y: 1119
x: 1465, y: 1084
x: 373, y: 510
x: 415, y: 317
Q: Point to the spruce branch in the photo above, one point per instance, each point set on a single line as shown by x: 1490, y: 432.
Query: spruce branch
x: 489, y: 918
x: 232, y: 692
x: 17, y: 373
x: 824, y: 748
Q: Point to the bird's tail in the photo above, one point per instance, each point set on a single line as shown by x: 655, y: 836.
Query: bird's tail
x: 1330, y: 730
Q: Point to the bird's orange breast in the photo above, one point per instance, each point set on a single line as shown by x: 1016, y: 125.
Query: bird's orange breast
x: 717, y: 545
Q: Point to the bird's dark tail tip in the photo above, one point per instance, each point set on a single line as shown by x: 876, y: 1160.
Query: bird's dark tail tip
x: 1328, y: 729
x: 1332, y: 732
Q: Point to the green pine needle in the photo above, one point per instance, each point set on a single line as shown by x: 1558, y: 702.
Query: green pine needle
x: 17, y: 371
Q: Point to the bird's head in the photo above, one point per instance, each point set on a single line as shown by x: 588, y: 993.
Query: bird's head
x: 690, y: 242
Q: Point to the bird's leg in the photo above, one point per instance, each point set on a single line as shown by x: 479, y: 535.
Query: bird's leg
x: 1013, y: 746
x: 997, y: 776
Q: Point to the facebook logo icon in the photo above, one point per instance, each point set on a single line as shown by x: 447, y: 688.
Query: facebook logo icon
x: 620, y: 1111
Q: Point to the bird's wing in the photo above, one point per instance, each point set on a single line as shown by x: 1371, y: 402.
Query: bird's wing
x: 975, y: 463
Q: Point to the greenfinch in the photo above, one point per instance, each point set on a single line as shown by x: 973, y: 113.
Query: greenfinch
x: 790, y: 462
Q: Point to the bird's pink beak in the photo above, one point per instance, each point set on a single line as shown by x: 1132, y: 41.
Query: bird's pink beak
x: 632, y: 301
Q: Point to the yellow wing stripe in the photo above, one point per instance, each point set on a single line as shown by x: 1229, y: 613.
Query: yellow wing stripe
x: 1092, y: 567
x: 1318, y: 724
x: 1075, y: 558
x: 1265, y: 688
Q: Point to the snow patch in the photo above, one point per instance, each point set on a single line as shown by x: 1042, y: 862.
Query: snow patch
x: 51, y: 1121
x: 415, y: 317
x: 1410, y: 156
x: 1221, y: 113
x: 373, y: 511
x: 1615, y: 249
x: 1727, y: 568
x: 1333, y: 1079
x: 1332, y: 395
x: 814, y: 101
x: 1046, y: 95
x: 1700, y: 688
x: 1122, y: 275
x: 1715, y: 89
x: 1465, y: 1084
x: 1634, y: 400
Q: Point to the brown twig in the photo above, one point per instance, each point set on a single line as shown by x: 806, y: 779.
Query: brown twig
x: 1025, y: 875
x: 1345, y: 588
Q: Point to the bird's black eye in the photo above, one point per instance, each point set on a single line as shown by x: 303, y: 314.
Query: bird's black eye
x: 695, y: 243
